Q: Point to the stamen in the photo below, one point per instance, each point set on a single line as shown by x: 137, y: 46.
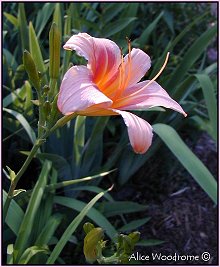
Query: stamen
x: 129, y: 63
x: 161, y: 70
x: 155, y: 77
x: 123, y: 81
x: 123, y: 99
x: 121, y: 78
x: 121, y: 69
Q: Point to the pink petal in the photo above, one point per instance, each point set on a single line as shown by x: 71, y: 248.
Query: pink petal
x: 78, y: 92
x: 149, y: 96
x: 139, y: 131
x: 140, y: 64
x: 103, y: 55
x: 131, y: 73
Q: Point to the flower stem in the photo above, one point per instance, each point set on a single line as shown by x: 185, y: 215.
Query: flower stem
x: 18, y: 176
x: 41, y: 115
x: 33, y: 152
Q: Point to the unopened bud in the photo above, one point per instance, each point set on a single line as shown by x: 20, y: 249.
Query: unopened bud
x: 127, y: 244
x: 91, y: 241
x: 31, y: 69
x: 135, y: 236
x: 47, y: 108
x: 54, y: 43
x: 87, y: 227
x: 46, y: 89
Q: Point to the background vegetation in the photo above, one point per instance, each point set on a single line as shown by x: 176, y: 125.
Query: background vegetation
x: 95, y: 146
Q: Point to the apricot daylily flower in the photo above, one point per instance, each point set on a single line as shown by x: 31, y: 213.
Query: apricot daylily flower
x: 108, y: 85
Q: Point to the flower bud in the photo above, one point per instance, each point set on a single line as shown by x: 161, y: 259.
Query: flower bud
x: 87, y: 227
x: 46, y: 89
x: 46, y: 108
x: 54, y: 43
x: 91, y: 241
x: 135, y: 236
x: 127, y: 244
x: 31, y: 69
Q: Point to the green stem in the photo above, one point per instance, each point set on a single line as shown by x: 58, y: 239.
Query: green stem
x: 41, y: 115
x: 52, y: 86
x: 18, y: 176
x: 108, y: 260
x: 61, y: 122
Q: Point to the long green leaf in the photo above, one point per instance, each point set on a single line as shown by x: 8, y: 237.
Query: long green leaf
x: 23, y: 122
x: 11, y: 18
x: 79, y: 138
x: 210, y: 100
x: 29, y: 217
x: 32, y: 251
x: 116, y: 26
x: 36, y: 52
x: 150, y: 242
x: 22, y: 25
x: 131, y: 10
x: 133, y: 225
x: 188, y: 159
x: 111, y: 10
x: 94, y: 189
x: 53, y: 186
x: 191, y: 56
x: 143, y: 39
x: 43, y: 16
x: 93, y: 153
x: 93, y: 214
x: 10, y: 249
x: 10, y: 98
x: 120, y: 207
x: 48, y: 230
x: 15, y: 215
x: 71, y: 229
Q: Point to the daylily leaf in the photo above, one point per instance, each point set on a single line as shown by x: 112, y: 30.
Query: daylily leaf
x: 188, y: 159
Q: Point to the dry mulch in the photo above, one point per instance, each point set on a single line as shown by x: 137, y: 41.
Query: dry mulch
x: 181, y: 213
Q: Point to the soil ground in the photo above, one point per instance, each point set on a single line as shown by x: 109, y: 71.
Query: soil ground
x: 181, y: 213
